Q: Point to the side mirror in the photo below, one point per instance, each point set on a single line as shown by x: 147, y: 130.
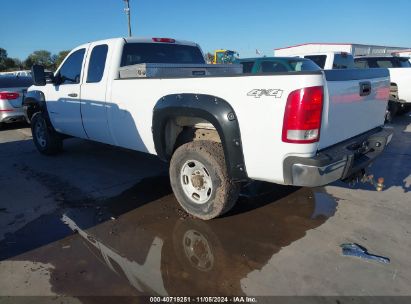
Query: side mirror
x: 38, y: 75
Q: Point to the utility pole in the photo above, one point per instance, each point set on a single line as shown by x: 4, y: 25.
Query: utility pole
x: 127, y: 10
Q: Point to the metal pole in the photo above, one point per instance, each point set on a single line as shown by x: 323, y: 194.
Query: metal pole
x: 127, y: 10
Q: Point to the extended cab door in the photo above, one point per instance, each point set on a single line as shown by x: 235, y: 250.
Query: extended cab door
x: 93, y: 93
x: 63, y: 96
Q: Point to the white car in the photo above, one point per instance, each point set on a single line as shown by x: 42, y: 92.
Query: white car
x: 303, y: 128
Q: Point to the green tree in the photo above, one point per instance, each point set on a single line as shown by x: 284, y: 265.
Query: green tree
x: 9, y: 64
x: 41, y: 57
x: 58, y: 59
x: 3, y: 57
x: 28, y: 63
x: 18, y: 64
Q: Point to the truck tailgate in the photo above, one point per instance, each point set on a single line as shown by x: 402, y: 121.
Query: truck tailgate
x: 355, y: 102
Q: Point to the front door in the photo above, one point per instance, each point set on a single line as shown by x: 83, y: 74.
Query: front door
x: 63, y: 96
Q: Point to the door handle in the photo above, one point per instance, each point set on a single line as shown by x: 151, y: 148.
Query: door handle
x: 365, y: 88
x: 72, y: 94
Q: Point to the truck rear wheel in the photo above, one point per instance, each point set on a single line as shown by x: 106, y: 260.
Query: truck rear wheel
x: 200, y: 181
x: 45, y: 138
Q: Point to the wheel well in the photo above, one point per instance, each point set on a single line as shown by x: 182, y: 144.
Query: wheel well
x: 393, y: 91
x: 178, y: 118
x: 31, y: 110
x: 183, y: 129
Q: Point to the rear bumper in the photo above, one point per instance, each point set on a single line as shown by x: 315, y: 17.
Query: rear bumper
x: 8, y: 113
x: 11, y: 116
x: 337, y: 162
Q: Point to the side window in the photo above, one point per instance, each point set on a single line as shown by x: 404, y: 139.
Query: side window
x: 71, y: 70
x: 318, y: 59
x: 97, y: 63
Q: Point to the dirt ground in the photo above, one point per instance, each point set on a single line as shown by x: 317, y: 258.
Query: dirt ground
x: 102, y: 221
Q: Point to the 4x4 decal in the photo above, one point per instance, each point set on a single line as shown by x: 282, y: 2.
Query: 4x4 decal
x: 257, y: 93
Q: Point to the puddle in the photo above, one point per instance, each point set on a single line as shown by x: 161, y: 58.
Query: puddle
x: 152, y: 248
x: 325, y: 205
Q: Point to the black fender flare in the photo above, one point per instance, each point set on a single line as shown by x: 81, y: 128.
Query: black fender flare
x: 211, y: 108
x: 34, y: 99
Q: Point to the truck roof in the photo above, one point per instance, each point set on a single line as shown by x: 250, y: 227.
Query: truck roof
x: 380, y: 56
x: 311, y: 43
x: 148, y: 40
x: 337, y: 43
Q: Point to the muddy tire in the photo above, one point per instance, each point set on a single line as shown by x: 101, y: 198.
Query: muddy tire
x: 404, y: 109
x: 199, y: 178
x: 45, y: 138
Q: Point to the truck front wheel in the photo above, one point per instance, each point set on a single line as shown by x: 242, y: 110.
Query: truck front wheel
x: 46, y: 140
x: 200, y: 181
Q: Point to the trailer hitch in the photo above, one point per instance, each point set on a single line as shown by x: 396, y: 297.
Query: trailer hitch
x: 363, y: 177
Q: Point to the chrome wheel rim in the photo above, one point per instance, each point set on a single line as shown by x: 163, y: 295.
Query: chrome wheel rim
x: 40, y: 133
x: 196, y: 182
x: 198, y: 251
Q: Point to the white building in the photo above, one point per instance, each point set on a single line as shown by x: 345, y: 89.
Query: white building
x: 354, y: 49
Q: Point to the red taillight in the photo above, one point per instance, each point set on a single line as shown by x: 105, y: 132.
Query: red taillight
x: 302, y: 117
x: 9, y: 95
x: 167, y: 40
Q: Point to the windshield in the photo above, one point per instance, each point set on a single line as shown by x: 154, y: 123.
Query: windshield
x: 303, y: 65
x: 135, y: 53
x: 287, y: 65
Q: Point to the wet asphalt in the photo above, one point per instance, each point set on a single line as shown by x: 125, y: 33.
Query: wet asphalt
x: 102, y: 221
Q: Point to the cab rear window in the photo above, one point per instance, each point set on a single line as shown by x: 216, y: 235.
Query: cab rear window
x: 135, y: 53
x: 382, y: 62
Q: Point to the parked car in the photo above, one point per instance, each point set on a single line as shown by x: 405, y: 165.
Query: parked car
x: 12, y: 90
x: 276, y: 64
x: 305, y: 128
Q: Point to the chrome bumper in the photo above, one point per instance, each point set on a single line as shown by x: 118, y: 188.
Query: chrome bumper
x: 337, y: 162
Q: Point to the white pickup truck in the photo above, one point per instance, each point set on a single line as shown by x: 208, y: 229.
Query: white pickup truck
x: 296, y: 128
x: 400, y: 74
x: 347, y: 56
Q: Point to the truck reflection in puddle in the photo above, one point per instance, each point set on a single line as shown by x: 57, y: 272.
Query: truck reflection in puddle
x: 161, y: 253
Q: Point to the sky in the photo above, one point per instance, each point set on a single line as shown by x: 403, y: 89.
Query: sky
x: 244, y: 26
